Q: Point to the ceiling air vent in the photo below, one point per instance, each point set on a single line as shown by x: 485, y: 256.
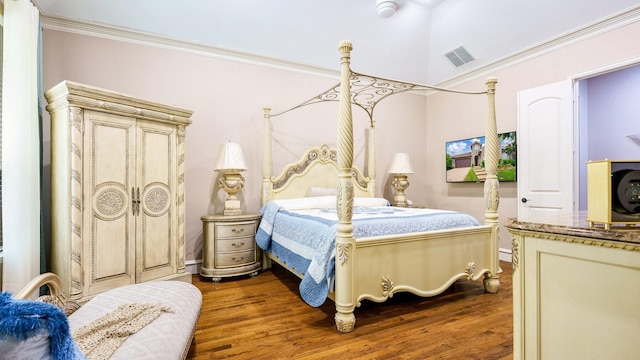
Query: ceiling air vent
x: 459, y: 56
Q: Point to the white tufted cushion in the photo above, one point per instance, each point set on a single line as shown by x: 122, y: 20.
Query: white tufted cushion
x: 167, y: 337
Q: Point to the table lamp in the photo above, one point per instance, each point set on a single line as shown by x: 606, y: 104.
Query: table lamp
x: 230, y: 164
x: 400, y: 166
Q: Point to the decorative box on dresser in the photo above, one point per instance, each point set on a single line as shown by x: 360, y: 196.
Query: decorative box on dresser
x: 117, y: 189
x: 229, y: 247
x: 575, y: 289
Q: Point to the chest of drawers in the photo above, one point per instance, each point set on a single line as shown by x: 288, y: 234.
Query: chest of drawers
x: 229, y: 246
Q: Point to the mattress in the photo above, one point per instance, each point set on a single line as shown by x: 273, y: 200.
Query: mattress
x: 304, y: 238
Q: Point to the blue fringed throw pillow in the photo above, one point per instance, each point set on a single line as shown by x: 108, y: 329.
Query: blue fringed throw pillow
x: 28, y: 327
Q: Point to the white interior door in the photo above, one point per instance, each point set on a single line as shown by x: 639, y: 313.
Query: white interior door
x: 545, y: 151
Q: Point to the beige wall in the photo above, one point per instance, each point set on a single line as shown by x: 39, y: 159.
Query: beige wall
x: 227, y: 98
x: 450, y: 119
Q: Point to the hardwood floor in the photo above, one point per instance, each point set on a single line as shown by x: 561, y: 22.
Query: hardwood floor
x: 264, y: 317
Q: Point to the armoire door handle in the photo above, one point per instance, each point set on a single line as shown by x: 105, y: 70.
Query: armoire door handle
x: 138, y: 202
x: 133, y: 202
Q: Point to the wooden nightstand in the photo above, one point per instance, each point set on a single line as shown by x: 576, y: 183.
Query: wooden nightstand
x: 229, y: 246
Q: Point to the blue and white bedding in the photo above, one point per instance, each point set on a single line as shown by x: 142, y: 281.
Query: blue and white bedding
x: 304, y: 238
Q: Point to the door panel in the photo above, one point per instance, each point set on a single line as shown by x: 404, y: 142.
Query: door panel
x: 109, y: 154
x: 156, y: 232
x: 545, y: 150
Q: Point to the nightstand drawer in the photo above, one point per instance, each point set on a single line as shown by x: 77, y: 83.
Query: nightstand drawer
x: 235, y: 258
x: 235, y: 230
x: 229, y: 246
x: 236, y: 244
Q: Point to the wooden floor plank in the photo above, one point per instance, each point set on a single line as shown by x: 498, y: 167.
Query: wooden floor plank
x: 264, y: 317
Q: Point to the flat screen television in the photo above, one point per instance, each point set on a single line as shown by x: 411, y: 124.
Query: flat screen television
x: 465, y: 159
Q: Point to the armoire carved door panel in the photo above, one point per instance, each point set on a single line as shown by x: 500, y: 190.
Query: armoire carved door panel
x: 109, y: 179
x: 156, y: 215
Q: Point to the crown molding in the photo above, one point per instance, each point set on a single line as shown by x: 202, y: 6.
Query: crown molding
x: 623, y: 18
x: 594, y: 29
x: 148, y: 39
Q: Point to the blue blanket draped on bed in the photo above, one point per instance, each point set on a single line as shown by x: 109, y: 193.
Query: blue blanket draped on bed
x: 305, y: 239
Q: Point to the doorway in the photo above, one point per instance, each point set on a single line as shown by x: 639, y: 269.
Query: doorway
x: 608, y: 109
x: 564, y: 125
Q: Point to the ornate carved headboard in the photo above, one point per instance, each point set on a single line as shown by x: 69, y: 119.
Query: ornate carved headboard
x: 317, y: 168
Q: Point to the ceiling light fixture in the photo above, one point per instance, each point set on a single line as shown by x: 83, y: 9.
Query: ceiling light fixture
x: 386, y: 8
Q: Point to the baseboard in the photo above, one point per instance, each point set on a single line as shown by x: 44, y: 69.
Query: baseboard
x: 193, y: 266
x: 504, y: 254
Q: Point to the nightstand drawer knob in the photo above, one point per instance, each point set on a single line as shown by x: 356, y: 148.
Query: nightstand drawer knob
x: 237, y: 245
x: 238, y: 259
x: 237, y: 231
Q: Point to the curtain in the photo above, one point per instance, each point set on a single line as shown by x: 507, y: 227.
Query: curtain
x: 44, y: 246
x: 21, y: 146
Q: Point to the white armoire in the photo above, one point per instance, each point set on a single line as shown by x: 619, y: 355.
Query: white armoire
x: 117, y: 189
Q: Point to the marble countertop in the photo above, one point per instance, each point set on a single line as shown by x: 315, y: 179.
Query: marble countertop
x: 575, y: 224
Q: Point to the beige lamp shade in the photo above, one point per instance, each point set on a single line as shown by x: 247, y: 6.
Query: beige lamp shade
x: 230, y: 158
x: 400, y: 164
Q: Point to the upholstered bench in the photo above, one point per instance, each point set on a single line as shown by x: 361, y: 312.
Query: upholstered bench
x: 169, y: 336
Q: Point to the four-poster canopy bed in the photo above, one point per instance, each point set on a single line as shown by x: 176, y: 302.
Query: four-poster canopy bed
x: 378, y: 264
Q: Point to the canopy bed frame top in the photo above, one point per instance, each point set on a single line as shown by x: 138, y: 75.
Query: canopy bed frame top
x: 376, y: 268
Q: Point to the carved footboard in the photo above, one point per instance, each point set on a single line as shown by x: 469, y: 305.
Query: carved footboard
x: 425, y: 264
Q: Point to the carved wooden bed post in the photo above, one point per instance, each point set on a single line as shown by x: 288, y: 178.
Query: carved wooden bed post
x: 345, y: 243
x: 267, y: 185
x: 491, y: 184
x: 371, y: 154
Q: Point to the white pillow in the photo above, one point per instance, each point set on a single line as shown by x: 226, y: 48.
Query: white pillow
x: 36, y: 347
x: 321, y: 191
x: 317, y: 202
x: 366, y: 201
x: 324, y: 202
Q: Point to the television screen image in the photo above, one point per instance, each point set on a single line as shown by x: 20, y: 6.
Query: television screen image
x: 465, y: 159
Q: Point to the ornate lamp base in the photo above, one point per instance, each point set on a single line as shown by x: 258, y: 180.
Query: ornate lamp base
x: 400, y: 183
x: 232, y: 183
x: 232, y: 207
